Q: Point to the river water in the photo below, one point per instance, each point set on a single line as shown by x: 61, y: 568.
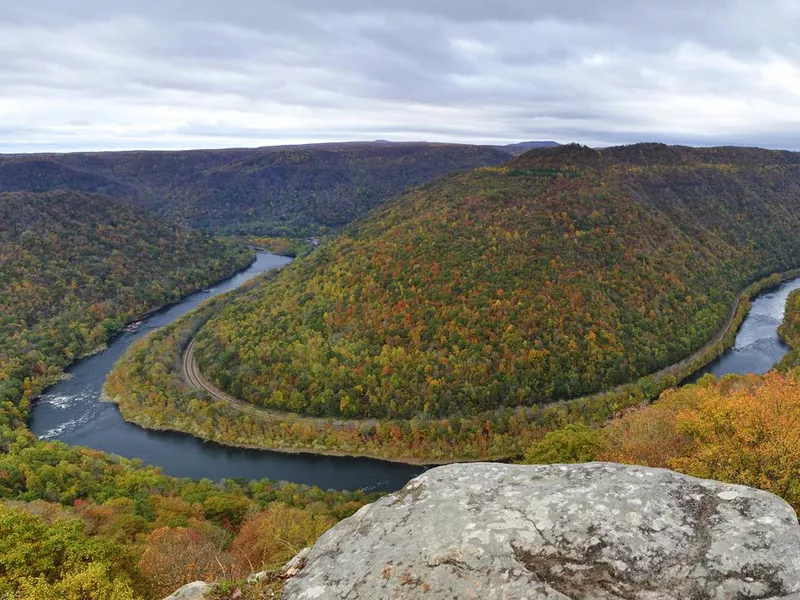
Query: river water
x: 71, y: 411
x: 757, y: 346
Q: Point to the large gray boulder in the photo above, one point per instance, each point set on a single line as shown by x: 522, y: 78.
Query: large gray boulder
x: 598, y: 530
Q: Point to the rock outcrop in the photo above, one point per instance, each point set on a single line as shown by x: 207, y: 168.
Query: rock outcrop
x: 197, y: 590
x: 493, y: 531
x: 200, y: 590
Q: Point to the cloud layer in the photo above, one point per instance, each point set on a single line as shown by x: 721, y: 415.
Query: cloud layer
x: 86, y: 74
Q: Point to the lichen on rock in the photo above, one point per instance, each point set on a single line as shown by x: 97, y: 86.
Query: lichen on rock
x: 197, y: 590
x: 598, y: 530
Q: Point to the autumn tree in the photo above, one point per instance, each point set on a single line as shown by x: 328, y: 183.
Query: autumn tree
x: 269, y: 538
x: 176, y: 556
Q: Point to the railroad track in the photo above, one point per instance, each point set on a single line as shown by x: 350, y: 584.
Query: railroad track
x: 193, y: 376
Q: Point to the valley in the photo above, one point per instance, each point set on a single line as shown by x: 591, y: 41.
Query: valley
x: 501, y: 433
x: 283, y: 191
x: 165, y: 401
x: 399, y: 300
x: 526, y: 310
x: 72, y: 412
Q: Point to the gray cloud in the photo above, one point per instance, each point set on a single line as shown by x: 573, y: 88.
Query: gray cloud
x: 86, y: 74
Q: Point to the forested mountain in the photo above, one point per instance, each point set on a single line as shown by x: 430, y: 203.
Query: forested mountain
x: 522, y: 147
x: 291, y: 190
x: 44, y: 174
x: 310, y: 190
x: 564, y: 272
x: 77, y: 523
x: 74, y: 268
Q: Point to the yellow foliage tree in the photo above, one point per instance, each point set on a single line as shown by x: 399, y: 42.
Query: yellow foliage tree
x: 743, y: 430
x: 748, y: 435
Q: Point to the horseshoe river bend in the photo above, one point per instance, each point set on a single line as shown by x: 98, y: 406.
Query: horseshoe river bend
x: 72, y: 412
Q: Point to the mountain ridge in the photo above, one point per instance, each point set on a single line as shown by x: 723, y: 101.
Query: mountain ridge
x: 294, y: 190
x: 552, y: 276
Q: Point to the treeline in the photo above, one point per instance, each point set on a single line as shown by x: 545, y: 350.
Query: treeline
x: 80, y: 524
x: 284, y: 246
x: 789, y: 333
x: 501, y: 288
x: 74, y: 268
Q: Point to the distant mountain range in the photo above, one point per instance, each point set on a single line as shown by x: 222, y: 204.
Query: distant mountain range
x: 522, y: 147
x: 284, y: 190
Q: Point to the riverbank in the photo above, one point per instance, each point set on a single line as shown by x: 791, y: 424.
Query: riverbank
x: 311, y: 452
x: 72, y: 413
x: 45, y: 383
x: 789, y: 334
x: 149, y: 313
x: 503, y: 434
x: 152, y: 311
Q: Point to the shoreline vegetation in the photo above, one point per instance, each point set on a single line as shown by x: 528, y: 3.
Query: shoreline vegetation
x: 85, y: 266
x: 789, y: 334
x: 739, y: 429
x: 148, y: 386
x: 136, y: 319
x: 290, y: 247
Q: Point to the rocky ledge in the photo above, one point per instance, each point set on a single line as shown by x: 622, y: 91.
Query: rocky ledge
x: 491, y: 531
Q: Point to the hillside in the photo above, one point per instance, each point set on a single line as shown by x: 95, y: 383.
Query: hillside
x: 306, y: 191
x: 74, y: 268
x: 78, y: 523
x: 739, y: 429
x: 522, y: 147
x: 291, y: 191
x: 562, y: 273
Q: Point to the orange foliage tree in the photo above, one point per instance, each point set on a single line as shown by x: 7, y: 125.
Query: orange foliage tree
x: 271, y: 537
x: 742, y: 430
x: 176, y: 556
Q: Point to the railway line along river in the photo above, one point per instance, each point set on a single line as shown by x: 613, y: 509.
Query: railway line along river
x: 757, y: 347
x: 72, y: 412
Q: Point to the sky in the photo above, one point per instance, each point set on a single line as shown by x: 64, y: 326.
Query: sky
x: 170, y: 74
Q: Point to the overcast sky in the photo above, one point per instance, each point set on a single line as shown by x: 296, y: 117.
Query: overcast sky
x: 108, y: 74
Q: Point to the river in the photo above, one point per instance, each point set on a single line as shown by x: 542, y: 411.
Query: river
x: 71, y: 411
x: 757, y: 347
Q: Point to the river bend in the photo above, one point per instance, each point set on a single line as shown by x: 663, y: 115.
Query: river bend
x: 71, y: 411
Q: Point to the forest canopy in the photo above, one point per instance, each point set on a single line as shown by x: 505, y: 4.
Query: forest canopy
x: 288, y: 191
x: 74, y: 268
x: 560, y: 274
